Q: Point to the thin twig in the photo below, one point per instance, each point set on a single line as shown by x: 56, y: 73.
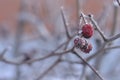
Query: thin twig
x: 97, y: 27
x: 112, y: 47
x: 83, y: 16
x: 11, y: 62
x: 3, y: 53
x: 118, y: 2
x: 114, y: 37
x: 49, y: 55
x: 39, y: 59
x: 53, y: 53
x: 65, y: 23
x: 115, y: 16
x: 61, y: 53
x: 47, y: 70
x: 92, y: 68
x: 101, y: 50
x: 101, y: 33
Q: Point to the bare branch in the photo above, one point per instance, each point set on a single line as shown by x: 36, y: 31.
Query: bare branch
x: 115, y: 15
x: 92, y: 68
x: 11, y: 62
x: 65, y: 23
x: 118, y: 2
x: 114, y: 37
x: 101, y: 50
x: 101, y: 33
x: 2, y: 54
x: 97, y: 27
x: 112, y: 47
x: 49, y: 55
x: 83, y: 16
x: 50, y: 68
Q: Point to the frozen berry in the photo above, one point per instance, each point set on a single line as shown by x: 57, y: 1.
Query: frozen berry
x: 88, y: 49
x: 84, y: 43
x: 76, y: 41
x: 80, y: 43
x: 87, y: 31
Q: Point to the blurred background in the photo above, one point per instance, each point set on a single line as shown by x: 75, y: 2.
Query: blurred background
x: 31, y: 29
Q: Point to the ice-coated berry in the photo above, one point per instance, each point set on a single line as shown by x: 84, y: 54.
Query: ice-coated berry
x: 88, y: 49
x: 87, y: 31
x: 80, y: 43
x: 76, y: 41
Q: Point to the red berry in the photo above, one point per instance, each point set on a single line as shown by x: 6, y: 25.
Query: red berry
x: 87, y: 30
x: 76, y: 41
x: 83, y: 43
x: 88, y: 49
x: 80, y: 43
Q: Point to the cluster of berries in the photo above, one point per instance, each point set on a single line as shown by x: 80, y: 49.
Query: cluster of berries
x: 81, y: 42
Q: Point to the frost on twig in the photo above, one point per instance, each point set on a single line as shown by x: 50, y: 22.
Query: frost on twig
x: 65, y: 23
